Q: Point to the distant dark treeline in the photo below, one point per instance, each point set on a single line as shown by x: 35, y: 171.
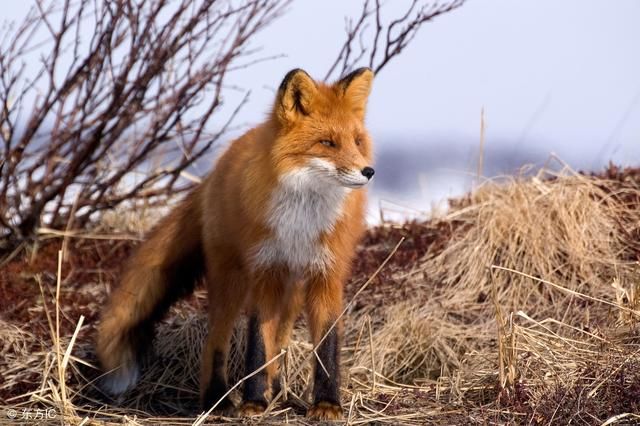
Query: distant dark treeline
x: 398, y: 164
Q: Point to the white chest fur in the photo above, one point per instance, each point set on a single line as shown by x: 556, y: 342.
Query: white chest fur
x: 302, y: 207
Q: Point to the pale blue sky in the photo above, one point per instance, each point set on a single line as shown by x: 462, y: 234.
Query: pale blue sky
x: 552, y: 76
x: 565, y: 74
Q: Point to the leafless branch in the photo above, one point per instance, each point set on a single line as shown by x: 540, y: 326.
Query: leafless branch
x: 386, y: 40
x: 120, y: 85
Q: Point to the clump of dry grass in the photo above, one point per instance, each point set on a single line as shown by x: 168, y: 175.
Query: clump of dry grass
x: 528, y: 313
x: 553, y: 254
x: 16, y: 348
x: 414, y: 344
x: 565, y: 230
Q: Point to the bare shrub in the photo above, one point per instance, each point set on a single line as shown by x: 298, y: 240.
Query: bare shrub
x: 119, y: 84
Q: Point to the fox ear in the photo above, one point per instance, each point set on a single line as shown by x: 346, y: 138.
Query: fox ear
x: 295, y: 95
x: 356, y: 87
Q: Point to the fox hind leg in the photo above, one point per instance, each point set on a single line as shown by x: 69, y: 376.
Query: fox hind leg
x: 226, y: 299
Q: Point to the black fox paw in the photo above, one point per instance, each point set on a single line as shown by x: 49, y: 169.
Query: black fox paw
x: 323, y: 410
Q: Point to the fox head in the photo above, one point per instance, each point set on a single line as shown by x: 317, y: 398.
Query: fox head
x: 320, y: 129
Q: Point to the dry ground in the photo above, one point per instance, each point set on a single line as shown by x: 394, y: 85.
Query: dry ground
x: 520, y: 306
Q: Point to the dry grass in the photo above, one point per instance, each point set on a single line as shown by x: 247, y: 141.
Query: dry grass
x: 526, y: 313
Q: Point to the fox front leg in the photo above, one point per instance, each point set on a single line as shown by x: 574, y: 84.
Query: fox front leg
x: 324, y: 304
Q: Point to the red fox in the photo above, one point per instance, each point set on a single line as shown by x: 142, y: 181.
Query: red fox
x: 272, y: 229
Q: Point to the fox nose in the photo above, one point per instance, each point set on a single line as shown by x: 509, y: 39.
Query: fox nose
x: 368, y: 172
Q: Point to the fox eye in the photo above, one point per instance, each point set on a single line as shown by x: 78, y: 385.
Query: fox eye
x: 358, y: 141
x: 329, y: 143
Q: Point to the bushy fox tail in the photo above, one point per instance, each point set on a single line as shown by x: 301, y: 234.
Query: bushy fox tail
x: 163, y: 269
